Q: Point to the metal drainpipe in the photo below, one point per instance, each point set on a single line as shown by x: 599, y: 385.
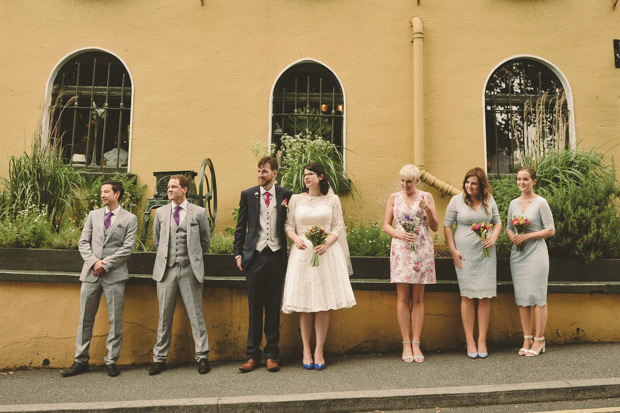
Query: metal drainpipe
x: 418, y: 112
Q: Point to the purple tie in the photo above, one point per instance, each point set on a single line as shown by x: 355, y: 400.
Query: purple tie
x: 108, y: 220
x: 176, y: 215
x: 267, y: 196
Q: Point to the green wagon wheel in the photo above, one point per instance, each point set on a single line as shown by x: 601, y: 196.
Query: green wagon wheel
x: 207, y: 191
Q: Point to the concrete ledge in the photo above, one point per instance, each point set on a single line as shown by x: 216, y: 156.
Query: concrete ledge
x: 399, y: 399
x: 369, y: 284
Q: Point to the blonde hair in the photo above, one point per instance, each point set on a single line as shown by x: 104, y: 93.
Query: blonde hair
x: 409, y: 172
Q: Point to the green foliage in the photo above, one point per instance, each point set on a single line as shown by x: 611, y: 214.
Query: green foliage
x: 299, y: 150
x: 32, y: 228
x: 308, y: 119
x: 582, y: 191
x: 40, y: 179
x: 134, y: 192
x: 368, y: 240
x: 221, y: 243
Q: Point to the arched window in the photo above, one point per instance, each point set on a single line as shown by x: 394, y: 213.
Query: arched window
x: 90, y: 111
x: 526, y: 114
x: 308, y: 96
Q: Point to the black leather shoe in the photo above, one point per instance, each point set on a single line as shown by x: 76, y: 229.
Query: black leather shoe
x: 203, y: 366
x: 77, y: 368
x: 112, y: 370
x: 157, y: 368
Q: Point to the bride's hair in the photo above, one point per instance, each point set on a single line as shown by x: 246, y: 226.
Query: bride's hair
x: 317, y: 168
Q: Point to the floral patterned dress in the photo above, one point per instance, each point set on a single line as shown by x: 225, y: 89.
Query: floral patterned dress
x: 407, y: 266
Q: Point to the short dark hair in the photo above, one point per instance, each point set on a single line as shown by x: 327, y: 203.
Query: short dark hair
x: 318, y: 169
x: 271, y: 160
x: 116, y: 187
x: 183, y: 181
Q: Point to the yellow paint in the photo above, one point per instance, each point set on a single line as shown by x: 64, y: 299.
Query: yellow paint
x: 203, y: 77
x: 39, y: 321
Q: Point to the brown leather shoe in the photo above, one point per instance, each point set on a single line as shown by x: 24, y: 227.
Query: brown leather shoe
x: 248, y: 366
x: 272, y: 365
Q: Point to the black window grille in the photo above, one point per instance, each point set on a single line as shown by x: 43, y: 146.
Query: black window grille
x: 526, y: 114
x: 90, y: 112
x: 308, y: 96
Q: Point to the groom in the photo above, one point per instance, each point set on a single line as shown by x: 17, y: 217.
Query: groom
x: 262, y: 254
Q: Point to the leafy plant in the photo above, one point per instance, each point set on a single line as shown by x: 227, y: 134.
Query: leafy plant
x: 301, y: 149
x: 40, y: 179
x: 221, y: 243
x: 308, y: 119
x: 134, y: 192
x: 368, y: 240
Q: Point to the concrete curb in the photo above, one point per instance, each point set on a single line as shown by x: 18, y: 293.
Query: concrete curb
x: 401, y: 399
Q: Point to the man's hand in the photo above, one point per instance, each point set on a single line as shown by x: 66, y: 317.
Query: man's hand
x: 98, y: 268
x: 238, y: 259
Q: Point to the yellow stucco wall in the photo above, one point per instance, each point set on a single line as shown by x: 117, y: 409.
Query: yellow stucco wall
x: 39, y: 322
x: 203, y: 76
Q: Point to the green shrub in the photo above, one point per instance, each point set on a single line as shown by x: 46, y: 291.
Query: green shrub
x: 582, y: 191
x: 368, y: 240
x: 132, y: 199
x: 221, y: 243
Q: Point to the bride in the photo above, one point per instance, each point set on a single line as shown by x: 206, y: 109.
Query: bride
x: 310, y: 290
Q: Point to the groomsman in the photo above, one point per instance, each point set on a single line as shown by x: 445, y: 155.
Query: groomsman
x: 262, y: 254
x: 107, y: 241
x: 181, y: 236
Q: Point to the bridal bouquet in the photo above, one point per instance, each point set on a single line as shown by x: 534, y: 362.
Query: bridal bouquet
x: 409, y: 224
x: 483, y: 230
x: 520, y: 223
x: 317, y: 236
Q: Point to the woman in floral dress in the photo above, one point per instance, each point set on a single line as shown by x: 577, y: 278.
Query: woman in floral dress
x: 412, y: 261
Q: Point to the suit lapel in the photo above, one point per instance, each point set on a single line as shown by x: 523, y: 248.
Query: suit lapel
x: 256, y: 207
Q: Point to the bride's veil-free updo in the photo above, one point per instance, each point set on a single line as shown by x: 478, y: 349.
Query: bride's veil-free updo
x: 318, y: 169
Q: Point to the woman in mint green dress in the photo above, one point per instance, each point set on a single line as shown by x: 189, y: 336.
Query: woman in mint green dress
x: 529, y: 260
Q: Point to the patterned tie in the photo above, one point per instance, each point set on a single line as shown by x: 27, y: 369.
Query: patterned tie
x: 108, y: 220
x: 176, y: 215
x: 267, y: 196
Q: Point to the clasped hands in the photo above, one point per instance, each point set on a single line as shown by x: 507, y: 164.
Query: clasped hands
x: 98, y: 268
x: 519, y: 239
x: 319, y: 249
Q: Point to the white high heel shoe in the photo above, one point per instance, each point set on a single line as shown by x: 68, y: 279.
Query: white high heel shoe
x: 532, y: 353
x: 523, y: 351
x: 407, y: 359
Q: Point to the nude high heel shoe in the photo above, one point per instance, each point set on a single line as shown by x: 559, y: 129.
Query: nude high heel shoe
x: 532, y: 353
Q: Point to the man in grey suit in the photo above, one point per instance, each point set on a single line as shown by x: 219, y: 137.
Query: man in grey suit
x: 107, y: 241
x: 181, y: 236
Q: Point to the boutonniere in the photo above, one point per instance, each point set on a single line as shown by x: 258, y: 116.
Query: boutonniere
x: 256, y: 195
x: 285, y: 203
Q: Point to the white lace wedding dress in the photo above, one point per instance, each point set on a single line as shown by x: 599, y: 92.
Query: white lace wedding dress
x: 327, y: 286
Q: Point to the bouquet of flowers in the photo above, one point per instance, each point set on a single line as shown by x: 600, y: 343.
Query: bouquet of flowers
x: 409, y: 224
x: 520, y: 223
x: 483, y: 230
x: 317, y: 236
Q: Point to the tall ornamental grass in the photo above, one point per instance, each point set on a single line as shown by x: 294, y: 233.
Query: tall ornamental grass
x: 39, y: 179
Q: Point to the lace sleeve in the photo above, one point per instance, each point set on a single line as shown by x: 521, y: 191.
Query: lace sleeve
x: 290, y: 214
x: 337, y: 220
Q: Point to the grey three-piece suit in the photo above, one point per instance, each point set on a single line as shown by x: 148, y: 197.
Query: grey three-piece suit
x: 179, y: 266
x: 113, y: 245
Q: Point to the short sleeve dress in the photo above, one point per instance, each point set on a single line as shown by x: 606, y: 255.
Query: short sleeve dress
x: 478, y: 277
x: 325, y: 287
x: 406, y: 265
x: 530, y: 267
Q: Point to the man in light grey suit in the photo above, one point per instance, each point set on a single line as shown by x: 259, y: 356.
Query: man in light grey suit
x: 107, y: 241
x: 181, y: 236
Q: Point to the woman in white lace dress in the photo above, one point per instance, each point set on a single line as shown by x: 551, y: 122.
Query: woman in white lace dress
x: 309, y: 290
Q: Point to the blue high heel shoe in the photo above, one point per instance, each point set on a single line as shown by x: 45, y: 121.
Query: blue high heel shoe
x: 320, y: 366
x: 308, y: 366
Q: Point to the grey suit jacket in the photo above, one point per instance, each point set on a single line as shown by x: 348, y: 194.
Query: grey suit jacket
x: 115, y: 248
x: 198, y: 239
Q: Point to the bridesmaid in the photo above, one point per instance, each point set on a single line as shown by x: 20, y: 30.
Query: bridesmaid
x: 530, y: 267
x: 411, y: 268
x: 476, y: 275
